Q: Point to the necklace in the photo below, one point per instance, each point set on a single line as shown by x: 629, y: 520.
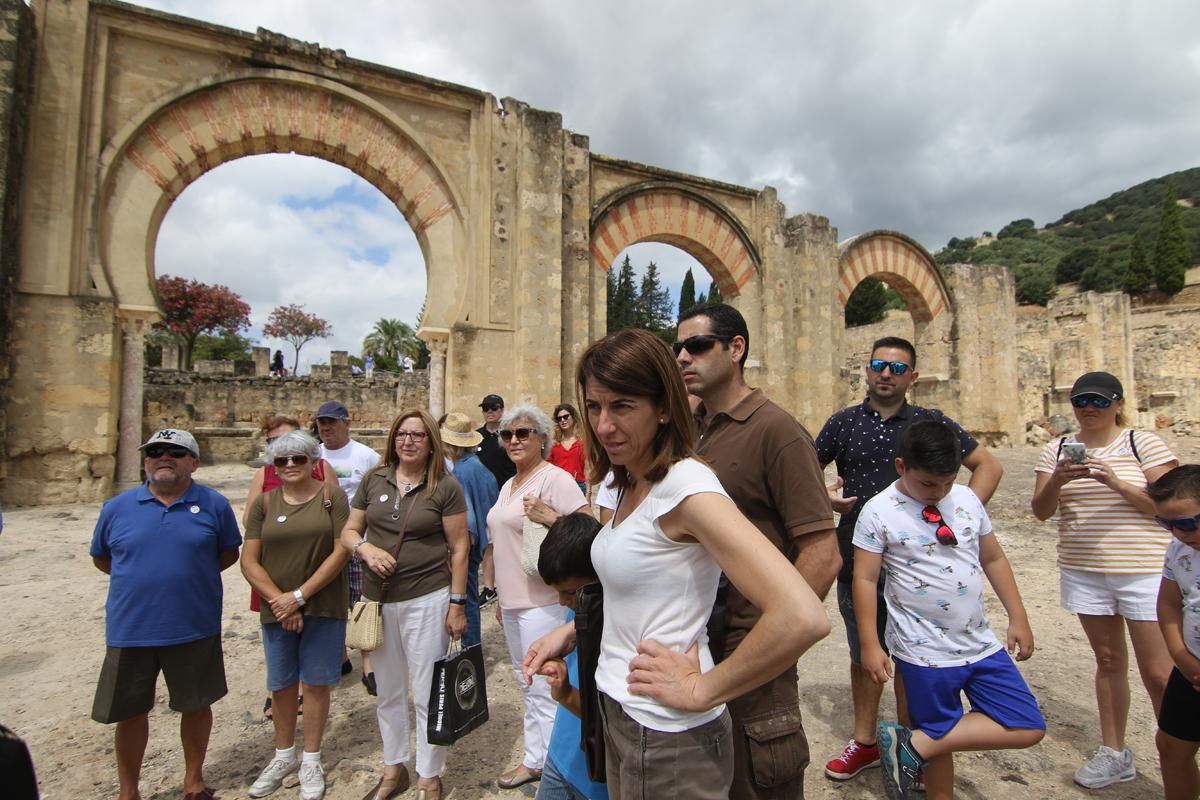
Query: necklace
x: 406, y: 486
x: 516, y: 487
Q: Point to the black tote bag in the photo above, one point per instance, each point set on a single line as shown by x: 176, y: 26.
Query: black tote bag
x: 457, y: 695
x: 589, y: 627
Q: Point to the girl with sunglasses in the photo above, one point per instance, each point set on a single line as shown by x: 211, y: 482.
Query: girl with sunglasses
x: 567, y: 453
x: 1110, y: 556
x: 292, y: 558
x: 527, y: 607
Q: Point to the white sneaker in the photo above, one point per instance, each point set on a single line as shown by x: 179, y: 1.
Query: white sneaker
x: 272, y: 777
x: 312, y: 781
x: 1105, y: 768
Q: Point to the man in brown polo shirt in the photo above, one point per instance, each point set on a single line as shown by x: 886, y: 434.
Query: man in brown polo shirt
x: 767, y: 462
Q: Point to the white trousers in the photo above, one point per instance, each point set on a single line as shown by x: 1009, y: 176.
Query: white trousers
x: 523, y: 627
x: 414, y: 637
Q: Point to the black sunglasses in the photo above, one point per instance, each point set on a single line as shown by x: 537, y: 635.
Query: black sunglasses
x: 1185, y: 525
x: 173, y: 450
x: 943, y: 533
x: 282, y: 461
x: 878, y: 364
x: 563, y: 417
x: 1095, y: 400
x: 490, y: 407
x: 701, y: 343
x: 521, y: 433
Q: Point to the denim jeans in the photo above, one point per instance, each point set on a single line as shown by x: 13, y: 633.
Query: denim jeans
x: 554, y: 786
x: 474, y: 559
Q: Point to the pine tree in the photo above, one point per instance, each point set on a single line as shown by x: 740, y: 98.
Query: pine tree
x: 1171, y: 255
x: 1139, y: 278
x: 867, y: 303
x: 687, y: 292
x: 653, y: 302
x: 714, y: 293
x: 622, y: 297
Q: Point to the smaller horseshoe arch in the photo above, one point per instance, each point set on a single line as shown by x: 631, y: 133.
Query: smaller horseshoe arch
x: 900, y: 262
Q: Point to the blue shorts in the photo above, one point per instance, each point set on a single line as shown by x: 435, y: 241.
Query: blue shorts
x: 993, y: 685
x: 314, y: 655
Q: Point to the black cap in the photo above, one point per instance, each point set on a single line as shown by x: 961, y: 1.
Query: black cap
x: 492, y: 400
x: 332, y: 409
x: 1101, y: 383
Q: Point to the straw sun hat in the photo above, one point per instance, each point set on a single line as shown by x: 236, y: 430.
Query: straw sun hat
x: 456, y: 430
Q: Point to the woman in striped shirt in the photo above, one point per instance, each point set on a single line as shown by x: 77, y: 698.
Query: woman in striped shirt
x: 1110, y: 555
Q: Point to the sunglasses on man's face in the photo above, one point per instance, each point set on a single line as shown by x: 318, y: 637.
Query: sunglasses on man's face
x: 282, y: 461
x: 172, y: 450
x: 521, y: 433
x: 1185, y: 525
x: 492, y: 408
x: 699, y: 344
x: 943, y: 533
x: 1095, y: 400
x: 878, y: 365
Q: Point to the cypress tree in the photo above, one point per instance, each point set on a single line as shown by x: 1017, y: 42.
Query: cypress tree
x: 653, y: 302
x: 622, y: 297
x: 1171, y: 250
x: 1139, y: 278
x: 714, y: 293
x: 687, y: 292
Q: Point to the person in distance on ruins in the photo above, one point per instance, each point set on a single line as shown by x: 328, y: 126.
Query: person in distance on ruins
x: 766, y: 460
x: 164, y: 544
x: 862, y: 440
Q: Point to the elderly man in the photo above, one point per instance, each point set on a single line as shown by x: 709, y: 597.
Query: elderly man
x: 164, y: 544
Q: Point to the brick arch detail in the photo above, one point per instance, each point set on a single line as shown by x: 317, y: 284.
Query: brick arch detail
x: 900, y: 262
x: 677, y: 216
x: 176, y: 139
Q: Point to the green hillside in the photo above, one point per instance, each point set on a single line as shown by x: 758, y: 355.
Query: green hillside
x: 1092, y: 245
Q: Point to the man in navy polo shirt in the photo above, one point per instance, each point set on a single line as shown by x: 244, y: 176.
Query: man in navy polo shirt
x: 863, y: 440
x: 165, y: 544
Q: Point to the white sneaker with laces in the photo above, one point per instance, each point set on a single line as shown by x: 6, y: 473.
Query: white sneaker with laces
x: 272, y: 777
x: 312, y: 781
x: 1105, y: 768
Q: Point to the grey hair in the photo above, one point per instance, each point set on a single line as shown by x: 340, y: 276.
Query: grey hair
x: 541, y: 423
x: 294, y: 443
x: 455, y: 452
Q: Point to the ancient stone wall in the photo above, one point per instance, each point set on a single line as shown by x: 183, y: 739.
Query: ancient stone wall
x: 1166, y: 368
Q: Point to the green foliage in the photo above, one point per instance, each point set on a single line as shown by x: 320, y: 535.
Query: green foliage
x: 191, y: 308
x: 1035, y: 284
x: 297, y: 327
x: 1139, y: 278
x: 866, y: 304
x: 648, y: 307
x: 1019, y: 228
x: 714, y: 293
x: 1171, y: 256
x: 389, y: 341
x: 622, y: 297
x: 654, y: 301
x: 687, y: 292
x: 1108, y: 273
x: 226, y: 347
x: 1072, y: 266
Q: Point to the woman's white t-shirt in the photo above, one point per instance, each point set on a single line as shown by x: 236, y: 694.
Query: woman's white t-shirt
x: 655, y: 588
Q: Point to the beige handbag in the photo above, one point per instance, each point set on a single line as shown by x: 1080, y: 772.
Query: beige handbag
x: 532, y: 536
x: 364, y: 628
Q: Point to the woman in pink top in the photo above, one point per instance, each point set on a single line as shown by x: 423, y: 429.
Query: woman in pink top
x: 528, y: 608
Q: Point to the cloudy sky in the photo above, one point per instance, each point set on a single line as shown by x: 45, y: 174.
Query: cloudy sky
x: 938, y: 119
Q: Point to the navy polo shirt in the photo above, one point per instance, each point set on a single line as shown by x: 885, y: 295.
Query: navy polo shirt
x: 165, y: 585
x: 864, y: 445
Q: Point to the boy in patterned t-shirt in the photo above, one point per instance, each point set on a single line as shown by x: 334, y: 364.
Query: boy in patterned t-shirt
x: 934, y: 541
x: 1176, y: 498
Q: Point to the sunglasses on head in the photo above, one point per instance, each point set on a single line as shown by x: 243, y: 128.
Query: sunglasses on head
x: 563, y: 417
x: 878, y: 365
x: 701, y: 343
x: 1185, y: 525
x: 521, y: 433
x: 282, y: 461
x: 491, y: 407
x: 172, y: 450
x: 943, y: 533
x: 1095, y: 400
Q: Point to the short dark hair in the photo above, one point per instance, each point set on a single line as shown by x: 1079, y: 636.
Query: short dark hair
x: 727, y: 322
x: 1181, y: 483
x: 897, y: 343
x: 567, y: 549
x: 931, y: 446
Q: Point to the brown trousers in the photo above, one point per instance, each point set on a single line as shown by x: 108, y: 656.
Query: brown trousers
x: 642, y: 763
x: 770, y: 750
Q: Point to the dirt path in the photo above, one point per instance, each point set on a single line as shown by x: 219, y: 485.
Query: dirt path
x: 52, y: 631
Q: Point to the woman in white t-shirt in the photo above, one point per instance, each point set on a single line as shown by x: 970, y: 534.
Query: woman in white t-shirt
x: 1110, y: 555
x: 667, y: 733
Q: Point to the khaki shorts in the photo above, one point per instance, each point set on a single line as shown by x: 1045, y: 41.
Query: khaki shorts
x: 194, y: 671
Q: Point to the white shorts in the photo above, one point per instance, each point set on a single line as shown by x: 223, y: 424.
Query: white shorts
x: 1104, y: 594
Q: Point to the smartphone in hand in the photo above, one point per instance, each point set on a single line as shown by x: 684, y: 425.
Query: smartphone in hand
x: 1075, y: 452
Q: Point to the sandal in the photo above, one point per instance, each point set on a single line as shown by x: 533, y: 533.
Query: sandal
x: 430, y: 792
x: 518, y: 776
x: 400, y: 788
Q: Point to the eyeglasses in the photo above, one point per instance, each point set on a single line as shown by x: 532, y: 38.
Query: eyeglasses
x: 1185, y: 525
x: 897, y: 367
x: 563, y: 418
x: 416, y: 436
x: 943, y: 533
x: 1095, y: 400
x: 699, y: 344
x: 521, y: 433
x: 492, y: 408
x: 172, y: 450
x: 282, y: 461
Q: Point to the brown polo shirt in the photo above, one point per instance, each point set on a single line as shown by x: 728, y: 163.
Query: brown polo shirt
x: 767, y: 462
x: 423, y: 565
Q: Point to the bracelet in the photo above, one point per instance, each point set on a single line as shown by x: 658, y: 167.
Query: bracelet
x: 299, y: 595
x: 354, y: 550
x: 458, y: 599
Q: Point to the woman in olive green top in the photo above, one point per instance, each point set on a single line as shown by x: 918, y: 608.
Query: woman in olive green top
x: 411, y: 502
x: 294, y: 560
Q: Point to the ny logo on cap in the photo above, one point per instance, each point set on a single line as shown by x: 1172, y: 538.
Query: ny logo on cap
x: 166, y: 433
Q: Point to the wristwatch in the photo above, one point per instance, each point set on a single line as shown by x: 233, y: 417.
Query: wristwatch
x: 458, y: 599
x: 299, y: 595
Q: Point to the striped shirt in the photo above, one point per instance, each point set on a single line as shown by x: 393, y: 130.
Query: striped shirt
x: 1098, y: 529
